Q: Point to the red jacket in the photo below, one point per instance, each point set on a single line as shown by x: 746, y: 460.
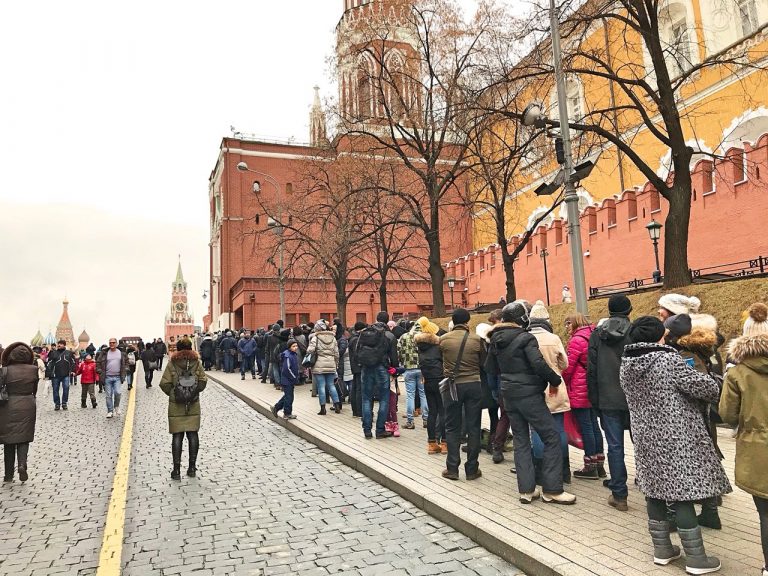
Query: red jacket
x: 575, y: 376
x: 87, y: 372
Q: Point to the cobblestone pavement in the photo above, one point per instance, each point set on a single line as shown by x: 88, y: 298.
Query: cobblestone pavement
x: 267, y: 502
x: 53, y: 523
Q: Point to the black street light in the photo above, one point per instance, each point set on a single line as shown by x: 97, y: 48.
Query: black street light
x: 544, y: 253
x: 654, y: 231
x: 451, y: 284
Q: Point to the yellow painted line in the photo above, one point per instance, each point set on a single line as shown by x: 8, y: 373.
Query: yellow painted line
x: 112, y: 545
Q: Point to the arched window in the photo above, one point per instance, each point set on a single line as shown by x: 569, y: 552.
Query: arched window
x: 365, y: 96
x: 678, y: 37
x: 397, y: 97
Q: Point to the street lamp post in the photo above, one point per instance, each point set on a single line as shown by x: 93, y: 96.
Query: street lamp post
x: 544, y: 253
x: 654, y: 231
x: 276, y: 226
x: 451, y: 284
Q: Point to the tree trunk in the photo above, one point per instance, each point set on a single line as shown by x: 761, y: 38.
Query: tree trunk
x: 676, y: 270
x: 509, y: 275
x: 436, y: 274
x: 341, y: 303
x: 383, y: 293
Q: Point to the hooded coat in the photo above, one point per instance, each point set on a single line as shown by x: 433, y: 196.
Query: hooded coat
x: 745, y: 402
x: 179, y: 418
x: 606, y: 346
x: 668, y: 402
x: 514, y: 354
x: 575, y: 375
x: 324, y: 344
x: 430, y: 357
x: 554, y: 354
x: 19, y: 415
x: 207, y: 349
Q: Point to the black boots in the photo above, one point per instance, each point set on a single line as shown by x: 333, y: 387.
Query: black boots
x: 176, y: 472
x: 9, y: 453
x: 178, y: 439
x: 709, y: 517
x: 322, y: 411
x: 194, y: 445
x: 337, y: 407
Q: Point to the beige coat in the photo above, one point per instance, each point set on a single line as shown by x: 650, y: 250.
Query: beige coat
x: 326, y: 347
x: 554, y: 354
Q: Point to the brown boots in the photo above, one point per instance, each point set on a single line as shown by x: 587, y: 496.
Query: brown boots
x: 433, y: 447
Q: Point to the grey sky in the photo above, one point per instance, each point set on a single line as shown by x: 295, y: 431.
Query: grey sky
x: 110, y: 119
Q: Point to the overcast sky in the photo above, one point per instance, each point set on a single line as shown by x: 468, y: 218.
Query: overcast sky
x: 111, y: 116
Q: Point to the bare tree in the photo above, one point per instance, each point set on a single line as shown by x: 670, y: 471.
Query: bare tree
x: 643, y: 66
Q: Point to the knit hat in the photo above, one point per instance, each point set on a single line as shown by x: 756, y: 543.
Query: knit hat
x: 619, y: 304
x: 646, y: 329
x: 680, y: 304
x: 431, y: 328
x: 460, y: 316
x: 757, y: 322
x: 539, y: 311
x: 422, y: 322
x: 678, y: 326
x: 320, y: 326
x: 291, y: 342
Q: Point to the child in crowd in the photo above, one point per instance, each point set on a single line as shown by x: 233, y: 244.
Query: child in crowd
x: 87, y: 372
x: 289, y: 377
x: 391, y: 424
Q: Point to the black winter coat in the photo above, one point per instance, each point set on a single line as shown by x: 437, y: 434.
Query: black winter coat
x: 606, y: 347
x: 60, y: 363
x: 206, y: 349
x: 430, y: 356
x: 514, y: 355
x: 19, y: 414
x: 352, y: 347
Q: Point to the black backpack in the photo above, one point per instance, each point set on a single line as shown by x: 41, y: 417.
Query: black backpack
x: 372, y: 347
x: 185, y: 389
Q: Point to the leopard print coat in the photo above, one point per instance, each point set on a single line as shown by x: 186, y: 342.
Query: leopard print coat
x: 668, y: 406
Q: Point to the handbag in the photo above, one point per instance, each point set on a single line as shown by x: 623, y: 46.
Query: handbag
x: 447, y: 385
x: 572, y: 430
x: 152, y: 365
x: 3, y: 387
x: 309, y: 360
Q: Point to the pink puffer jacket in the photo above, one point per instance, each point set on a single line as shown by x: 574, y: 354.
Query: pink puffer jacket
x: 575, y: 376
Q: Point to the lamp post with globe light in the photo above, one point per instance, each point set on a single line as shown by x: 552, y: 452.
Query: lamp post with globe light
x: 654, y: 231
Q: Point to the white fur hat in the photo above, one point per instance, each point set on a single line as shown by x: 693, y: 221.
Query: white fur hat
x: 539, y: 311
x: 482, y: 330
x: 680, y: 304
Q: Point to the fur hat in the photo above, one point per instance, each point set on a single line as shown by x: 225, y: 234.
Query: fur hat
x: 619, y: 304
x: 757, y: 322
x: 423, y: 321
x: 539, y: 311
x: 482, y: 330
x: 17, y: 353
x: 460, y: 316
x: 646, y: 329
x: 680, y: 304
x: 184, y: 344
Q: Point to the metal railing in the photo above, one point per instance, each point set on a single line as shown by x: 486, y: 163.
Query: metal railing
x: 719, y: 273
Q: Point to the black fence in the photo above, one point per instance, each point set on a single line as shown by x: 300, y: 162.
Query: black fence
x: 753, y: 267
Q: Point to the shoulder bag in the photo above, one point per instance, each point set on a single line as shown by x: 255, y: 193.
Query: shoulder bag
x: 447, y: 385
x: 3, y: 386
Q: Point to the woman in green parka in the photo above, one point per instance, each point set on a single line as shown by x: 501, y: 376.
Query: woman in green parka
x: 184, y: 370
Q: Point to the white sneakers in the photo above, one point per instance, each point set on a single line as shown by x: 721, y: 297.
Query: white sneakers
x: 562, y: 498
x: 529, y: 497
x: 109, y: 414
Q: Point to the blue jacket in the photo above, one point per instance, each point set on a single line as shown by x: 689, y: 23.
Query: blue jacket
x: 289, y: 368
x: 247, y: 346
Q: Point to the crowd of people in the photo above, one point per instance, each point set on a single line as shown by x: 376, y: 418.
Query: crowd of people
x: 668, y: 379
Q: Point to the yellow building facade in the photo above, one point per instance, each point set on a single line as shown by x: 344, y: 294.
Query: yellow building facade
x: 723, y: 104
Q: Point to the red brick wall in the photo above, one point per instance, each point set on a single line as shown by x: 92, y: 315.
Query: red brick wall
x: 726, y: 226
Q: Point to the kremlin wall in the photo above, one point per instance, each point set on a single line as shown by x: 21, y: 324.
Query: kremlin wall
x: 728, y: 212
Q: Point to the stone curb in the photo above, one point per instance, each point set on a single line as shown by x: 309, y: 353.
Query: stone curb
x: 527, y: 555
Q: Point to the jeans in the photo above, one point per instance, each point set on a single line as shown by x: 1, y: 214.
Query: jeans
x: 229, y: 361
x: 148, y: 375
x: 112, y: 391
x: 286, y: 402
x: 160, y: 361
x: 436, y: 419
x: 590, y: 431
x: 538, y: 445
x: 129, y: 378
x: 325, y: 383
x: 614, y: 422
x: 524, y: 414
x: 275, y: 369
x: 413, y: 382
x: 64, y: 381
x: 470, y: 396
x: 762, y: 509
x: 265, y: 372
x: 259, y: 362
x: 375, y: 380
x: 248, y: 365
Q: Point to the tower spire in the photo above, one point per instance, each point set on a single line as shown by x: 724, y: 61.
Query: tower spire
x: 317, y: 131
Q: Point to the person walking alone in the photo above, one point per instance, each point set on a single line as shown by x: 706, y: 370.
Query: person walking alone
x: 160, y: 350
x: 19, y: 414
x: 745, y: 402
x: 676, y: 461
x: 289, y: 377
x: 182, y: 381
x: 149, y: 362
x: 111, y: 368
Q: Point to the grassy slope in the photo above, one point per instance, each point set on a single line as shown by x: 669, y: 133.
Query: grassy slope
x: 726, y: 301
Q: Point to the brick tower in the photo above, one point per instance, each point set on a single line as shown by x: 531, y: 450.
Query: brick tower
x: 64, y: 328
x: 179, y: 320
x: 376, y: 51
